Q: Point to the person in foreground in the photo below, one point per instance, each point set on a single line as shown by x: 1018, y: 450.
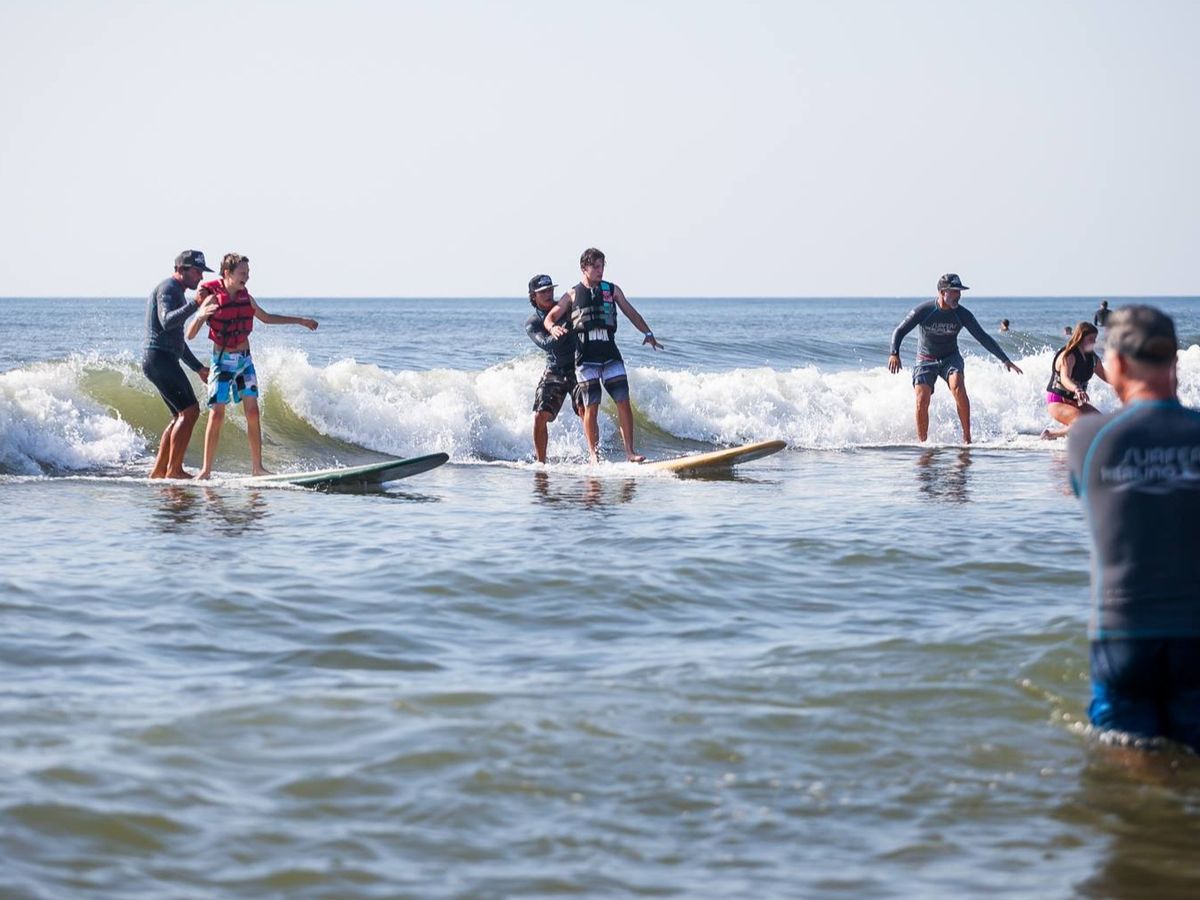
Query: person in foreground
x: 938, y: 355
x: 558, y: 378
x: 1137, y: 473
x: 230, y: 320
x: 166, y: 314
x: 592, y: 305
x: 1070, y: 371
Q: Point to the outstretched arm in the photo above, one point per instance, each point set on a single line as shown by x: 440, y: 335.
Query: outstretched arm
x: 910, y: 322
x: 989, y: 343
x: 274, y: 319
x: 636, y: 318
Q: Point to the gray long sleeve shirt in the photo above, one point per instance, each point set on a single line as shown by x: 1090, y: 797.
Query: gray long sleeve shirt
x: 166, y: 313
x: 1137, y: 473
x: 938, y: 337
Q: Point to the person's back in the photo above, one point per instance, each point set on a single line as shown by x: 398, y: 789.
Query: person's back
x: 1137, y: 472
x: 1138, y: 475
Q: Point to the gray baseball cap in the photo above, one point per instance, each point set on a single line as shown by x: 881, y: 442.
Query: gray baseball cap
x: 1143, y: 333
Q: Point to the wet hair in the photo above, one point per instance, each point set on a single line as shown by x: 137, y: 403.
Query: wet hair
x: 231, y: 261
x: 1081, y: 333
x: 1004, y: 322
x: 590, y: 256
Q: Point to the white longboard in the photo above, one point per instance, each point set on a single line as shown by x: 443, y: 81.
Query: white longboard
x: 717, y: 459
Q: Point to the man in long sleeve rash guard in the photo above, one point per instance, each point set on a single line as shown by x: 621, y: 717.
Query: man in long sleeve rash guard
x: 166, y: 313
x: 558, y: 379
x: 938, y: 356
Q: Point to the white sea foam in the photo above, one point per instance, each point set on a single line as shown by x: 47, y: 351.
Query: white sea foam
x: 48, y: 420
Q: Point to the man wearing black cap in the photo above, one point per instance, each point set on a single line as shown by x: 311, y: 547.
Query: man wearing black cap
x: 166, y: 313
x: 938, y: 356
x: 1137, y: 473
x: 558, y: 379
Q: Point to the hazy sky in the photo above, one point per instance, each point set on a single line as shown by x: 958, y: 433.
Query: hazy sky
x: 739, y: 148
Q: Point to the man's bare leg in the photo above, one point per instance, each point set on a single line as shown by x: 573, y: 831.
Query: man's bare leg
x: 254, y: 433
x: 164, y: 451
x: 181, y: 436
x: 958, y: 387
x: 923, y: 392
x: 625, y: 419
x: 591, y: 428
x: 212, y: 437
x: 541, y: 438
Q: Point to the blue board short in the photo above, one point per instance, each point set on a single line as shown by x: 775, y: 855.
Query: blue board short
x: 611, y: 374
x: 231, y: 377
x: 1148, y: 687
x: 928, y: 371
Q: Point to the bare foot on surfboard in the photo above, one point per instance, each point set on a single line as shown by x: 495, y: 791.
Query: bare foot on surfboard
x: 635, y: 457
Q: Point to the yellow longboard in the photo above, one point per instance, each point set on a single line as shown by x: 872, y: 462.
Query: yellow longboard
x: 717, y: 459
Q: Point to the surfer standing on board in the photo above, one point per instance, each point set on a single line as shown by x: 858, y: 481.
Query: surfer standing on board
x: 938, y: 356
x: 166, y: 314
x: 230, y: 321
x: 558, y: 378
x: 592, y: 305
x: 1137, y: 473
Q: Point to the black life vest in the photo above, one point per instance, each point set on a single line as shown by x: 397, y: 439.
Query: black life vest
x: 1081, y: 373
x: 594, y: 322
x: 230, y: 325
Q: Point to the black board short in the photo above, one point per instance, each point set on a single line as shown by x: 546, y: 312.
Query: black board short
x: 166, y: 374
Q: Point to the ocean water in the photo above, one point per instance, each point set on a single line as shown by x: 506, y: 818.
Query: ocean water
x: 856, y: 668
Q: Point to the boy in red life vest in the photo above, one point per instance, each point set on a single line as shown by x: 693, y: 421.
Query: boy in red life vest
x: 230, y: 320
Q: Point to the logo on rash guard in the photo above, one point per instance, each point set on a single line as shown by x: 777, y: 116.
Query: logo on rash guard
x: 1154, y: 469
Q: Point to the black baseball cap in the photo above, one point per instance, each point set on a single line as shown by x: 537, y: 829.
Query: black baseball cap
x: 193, y: 258
x: 951, y: 282
x: 540, y: 283
x: 1141, y: 332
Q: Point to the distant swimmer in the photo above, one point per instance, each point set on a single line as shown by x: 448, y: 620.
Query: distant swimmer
x: 1067, y: 331
x: 592, y: 305
x: 1004, y: 326
x: 1070, y: 371
x: 1100, y: 319
x: 938, y: 356
x: 230, y: 316
x: 166, y: 314
x: 558, y: 378
x: 1137, y: 473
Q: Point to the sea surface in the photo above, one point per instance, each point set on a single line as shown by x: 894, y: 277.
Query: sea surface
x: 857, y: 668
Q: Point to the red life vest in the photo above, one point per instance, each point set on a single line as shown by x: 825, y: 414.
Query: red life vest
x: 233, y: 320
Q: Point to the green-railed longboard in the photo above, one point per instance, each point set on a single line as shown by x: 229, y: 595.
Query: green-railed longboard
x: 372, y: 473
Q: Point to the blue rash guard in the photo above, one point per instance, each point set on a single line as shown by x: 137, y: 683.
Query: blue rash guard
x: 166, y: 313
x: 938, y: 337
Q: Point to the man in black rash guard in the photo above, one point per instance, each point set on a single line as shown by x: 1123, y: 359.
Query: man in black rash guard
x: 940, y: 322
x: 558, y: 378
x: 1137, y: 473
x: 166, y: 313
